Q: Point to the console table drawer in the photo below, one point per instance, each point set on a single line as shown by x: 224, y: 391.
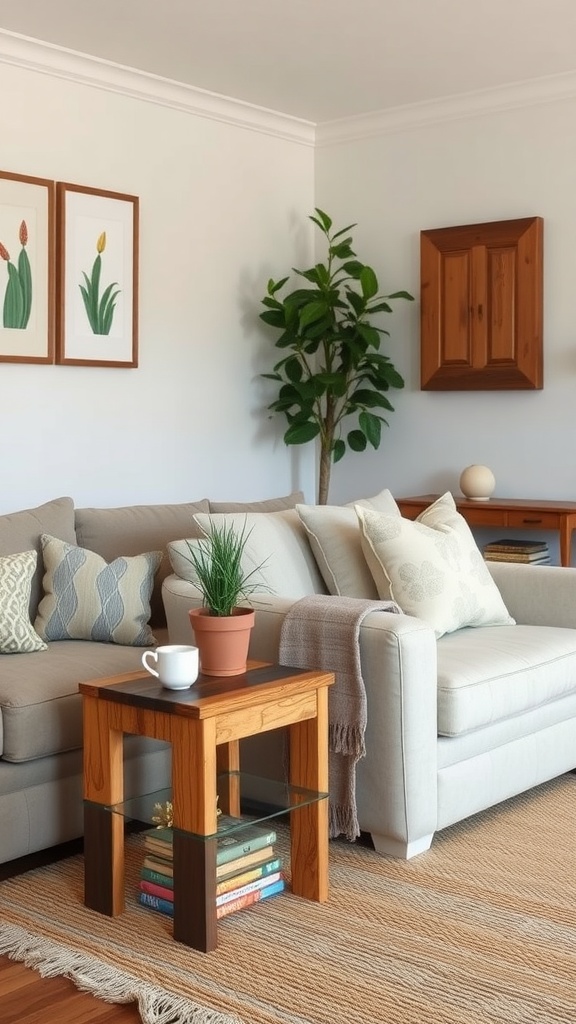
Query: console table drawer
x: 536, y: 520
x: 483, y: 516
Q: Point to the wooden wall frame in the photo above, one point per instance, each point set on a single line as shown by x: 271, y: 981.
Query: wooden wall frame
x: 27, y: 269
x: 97, y: 308
x: 482, y: 306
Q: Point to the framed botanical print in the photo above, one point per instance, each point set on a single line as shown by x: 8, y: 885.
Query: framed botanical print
x: 97, y: 302
x: 27, y: 269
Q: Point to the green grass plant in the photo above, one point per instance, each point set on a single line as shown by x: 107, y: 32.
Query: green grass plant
x: 217, y: 564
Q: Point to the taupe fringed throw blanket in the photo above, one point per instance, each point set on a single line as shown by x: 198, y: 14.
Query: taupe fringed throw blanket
x: 323, y: 632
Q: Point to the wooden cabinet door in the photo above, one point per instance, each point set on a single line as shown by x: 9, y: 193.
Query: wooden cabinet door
x: 481, y: 306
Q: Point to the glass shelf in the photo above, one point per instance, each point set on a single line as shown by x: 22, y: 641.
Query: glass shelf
x: 261, y: 799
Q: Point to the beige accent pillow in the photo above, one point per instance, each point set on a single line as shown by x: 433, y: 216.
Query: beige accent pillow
x: 334, y: 536
x: 432, y: 567
x: 17, y: 635
x: 87, y: 598
x: 276, y: 539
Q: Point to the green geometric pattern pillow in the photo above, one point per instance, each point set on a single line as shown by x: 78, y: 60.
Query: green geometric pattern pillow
x: 87, y: 598
x: 17, y: 635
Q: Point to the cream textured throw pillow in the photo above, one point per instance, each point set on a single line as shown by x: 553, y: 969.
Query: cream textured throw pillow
x: 334, y: 537
x: 87, y: 598
x: 277, y: 542
x: 432, y: 567
x: 17, y: 635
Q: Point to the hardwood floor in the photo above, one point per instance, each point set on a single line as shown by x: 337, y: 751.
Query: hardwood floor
x: 26, y: 998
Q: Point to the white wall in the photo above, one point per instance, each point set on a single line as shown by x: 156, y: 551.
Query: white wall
x: 492, y: 166
x: 222, y: 208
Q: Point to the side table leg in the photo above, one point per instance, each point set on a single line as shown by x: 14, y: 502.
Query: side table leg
x: 103, y: 830
x: 309, y: 825
x: 194, y: 803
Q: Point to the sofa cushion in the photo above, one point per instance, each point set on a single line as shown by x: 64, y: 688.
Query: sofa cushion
x: 17, y: 634
x: 267, y: 505
x: 276, y: 542
x: 489, y: 675
x: 132, y: 529
x: 87, y: 598
x: 432, y: 567
x: 21, y: 531
x: 41, y: 709
x: 334, y: 535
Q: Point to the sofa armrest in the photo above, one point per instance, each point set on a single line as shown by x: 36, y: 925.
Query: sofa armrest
x: 537, y: 595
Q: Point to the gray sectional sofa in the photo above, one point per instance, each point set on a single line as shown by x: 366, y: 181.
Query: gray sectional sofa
x: 40, y: 708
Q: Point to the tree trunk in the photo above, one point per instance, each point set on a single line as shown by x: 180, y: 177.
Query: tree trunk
x: 324, y: 475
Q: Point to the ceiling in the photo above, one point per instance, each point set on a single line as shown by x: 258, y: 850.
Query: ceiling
x: 318, y: 60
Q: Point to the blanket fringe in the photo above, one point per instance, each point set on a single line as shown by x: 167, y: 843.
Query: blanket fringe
x: 346, y: 739
x: 156, y: 1005
x: 342, y: 821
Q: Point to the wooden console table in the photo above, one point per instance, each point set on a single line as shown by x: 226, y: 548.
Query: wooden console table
x: 518, y: 513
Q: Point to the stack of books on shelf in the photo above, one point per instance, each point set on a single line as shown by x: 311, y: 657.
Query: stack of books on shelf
x: 247, y: 868
x: 532, y: 552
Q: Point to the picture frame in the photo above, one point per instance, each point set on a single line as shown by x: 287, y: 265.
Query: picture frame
x: 97, y: 281
x: 27, y: 269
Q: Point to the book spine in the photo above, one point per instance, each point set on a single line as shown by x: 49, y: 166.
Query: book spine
x: 243, y: 890
x: 156, y: 903
x: 163, y: 891
x: 226, y: 850
x: 151, y: 875
x: 249, y: 898
x: 269, y: 868
x: 158, y: 864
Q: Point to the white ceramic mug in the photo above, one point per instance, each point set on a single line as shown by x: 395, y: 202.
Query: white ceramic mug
x: 177, y: 665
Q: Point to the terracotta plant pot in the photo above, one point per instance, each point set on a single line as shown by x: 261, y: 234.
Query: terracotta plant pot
x: 222, y: 641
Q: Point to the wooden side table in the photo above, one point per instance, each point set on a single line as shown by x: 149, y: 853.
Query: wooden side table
x: 517, y: 513
x: 204, y: 725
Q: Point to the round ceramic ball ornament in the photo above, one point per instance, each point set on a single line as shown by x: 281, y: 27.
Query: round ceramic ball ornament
x: 477, y: 483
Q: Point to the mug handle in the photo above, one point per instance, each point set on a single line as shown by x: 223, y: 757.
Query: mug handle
x: 151, y: 654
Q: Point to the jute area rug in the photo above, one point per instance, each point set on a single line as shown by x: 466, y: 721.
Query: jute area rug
x: 480, y: 929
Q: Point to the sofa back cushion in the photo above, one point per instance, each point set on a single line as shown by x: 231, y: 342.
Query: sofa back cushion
x: 276, y: 542
x: 21, y: 531
x: 267, y: 505
x: 135, y: 529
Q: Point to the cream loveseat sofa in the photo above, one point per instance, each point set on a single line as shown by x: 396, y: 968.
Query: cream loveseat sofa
x: 40, y: 708
x: 456, y: 722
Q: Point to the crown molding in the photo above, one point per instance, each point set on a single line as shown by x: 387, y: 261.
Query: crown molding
x: 47, y: 59
x: 473, y: 104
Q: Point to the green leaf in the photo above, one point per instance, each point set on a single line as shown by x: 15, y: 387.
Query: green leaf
x: 368, y: 283
x: 312, y: 312
x: 274, y: 317
x: 339, y: 450
x: 356, y: 301
x: 324, y: 221
x: 353, y: 268
x: 13, y: 299
x: 369, y: 334
x: 343, y: 232
x: 293, y: 369
x: 379, y: 307
x: 25, y: 275
x: 372, y: 427
x: 301, y: 433
x: 342, y: 250
x: 357, y: 441
x: 401, y: 295
x: 275, y: 286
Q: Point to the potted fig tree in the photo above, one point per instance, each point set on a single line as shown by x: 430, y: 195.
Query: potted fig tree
x: 222, y: 626
x: 333, y: 380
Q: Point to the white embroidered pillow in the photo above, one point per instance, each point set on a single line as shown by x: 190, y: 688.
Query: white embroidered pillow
x: 432, y: 567
x: 17, y: 634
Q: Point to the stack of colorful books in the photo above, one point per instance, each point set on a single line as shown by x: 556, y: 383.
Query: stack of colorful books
x: 247, y: 868
x: 532, y: 552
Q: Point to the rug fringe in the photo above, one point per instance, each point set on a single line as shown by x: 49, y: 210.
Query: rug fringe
x: 156, y: 1005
